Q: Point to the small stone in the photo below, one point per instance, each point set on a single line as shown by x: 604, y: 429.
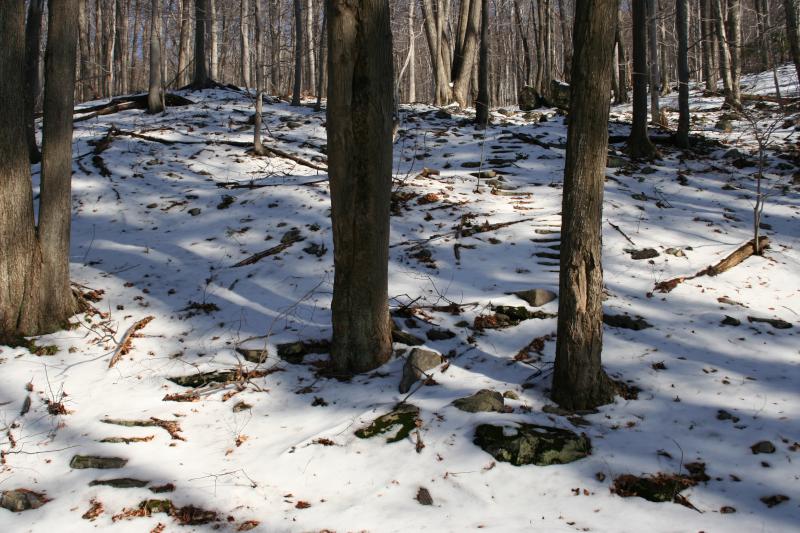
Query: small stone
x: 195, y: 211
x: 626, y: 322
x: 763, y: 446
x: 536, y: 297
x: 403, y: 337
x: 646, y: 253
x: 722, y: 414
x: 254, y: 355
x: 677, y: 252
x: 424, y: 496
x: 614, y: 161
x: 775, y: 499
x: 19, y: 500
x: 727, y: 509
x: 419, y: 362
x: 724, y: 124
x: 438, y: 334
x: 404, y: 415
x: 730, y: 321
x: 483, y: 401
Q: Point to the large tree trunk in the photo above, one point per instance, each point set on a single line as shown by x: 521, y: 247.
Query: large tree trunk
x: 438, y: 47
x: 33, y: 35
x: 360, y: 165
x: 109, y: 41
x: 526, y: 51
x: 639, y: 145
x: 579, y: 381
x: 200, y: 73
x: 462, y: 70
x: 275, y: 49
x: 298, y: 52
x: 482, y: 105
x: 55, y: 205
x: 155, y: 97
x: 682, y: 29
x: 790, y: 8
x: 245, y: 40
x: 19, y: 265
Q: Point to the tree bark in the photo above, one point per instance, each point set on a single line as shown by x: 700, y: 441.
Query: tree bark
x: 309, y: 42
x: 200, y: 72
x: 682, y: 29
x: 359, y: 119
x: 579, y: 381
x: 183, y: 46
x: 707, y: 32
x: 790, y: 9
x: 33, y: 35
x: 298, y: 52
x: 639, y: 145
x: 245, y: 41
x: 121, y: 47
x: 155, y: 96
x: 462, y: 71
x: 258, y: 147
x: 623, y: 68
x: 322, y: 61
x: 55, y: 205
x: 735, y: 38
x: 482, y: 105
x: 652, y: 34
x: 724, y: 55
x: 213, y: 38
x: 412, y: 67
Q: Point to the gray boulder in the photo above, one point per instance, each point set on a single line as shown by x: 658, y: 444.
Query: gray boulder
x: 419, y: 362
x: 483, y: 401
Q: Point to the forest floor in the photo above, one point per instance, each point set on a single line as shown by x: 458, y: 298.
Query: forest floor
x: 159, y: 228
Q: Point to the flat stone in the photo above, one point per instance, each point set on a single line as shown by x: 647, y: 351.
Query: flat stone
x: 294, y: 352
x: 419, y: 362
x: 776, y: 323
x: 403, y: 337
x: 526, y: 444
x: 483, y: 401
x: 254, y: 355
x: 763, y: 446
x: 536, y: 297
x: 424, y: 496
x: 94, y: 461
x: 438, y: 334
x: 626, y: 322
x: 120, y: 483
x: 730, y: 321
x: 195, y: 211
x: 19, y: 500
x: 646, y: 253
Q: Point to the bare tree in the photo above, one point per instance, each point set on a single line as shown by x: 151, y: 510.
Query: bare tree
x: 724, y: 55
x: 258, y: 147
x: 682, y: 29
x: 155, y: 96
x: 201, y: 78
x: 213, y: 41
x: 579, y: 381
x: 33, y: 35
x: 790, y: 9
x: 652, y: 47
x: 359, y: 117
x: 483, y: 103
x: 298, y: 52
x: 245, y: 40
x: 639, y: 145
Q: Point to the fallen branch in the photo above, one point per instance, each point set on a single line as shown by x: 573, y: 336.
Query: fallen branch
x: 466, y: 232
x: 296, y: 159
x: 621, y: 232
x: 733, y: 259
x: 255, y: 258
x: 125, y: 343
x: 125, y: 103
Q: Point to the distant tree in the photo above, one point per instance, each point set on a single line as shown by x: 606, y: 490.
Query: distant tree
x: 579, y: 381
x: 298, y: 52
x: 639, y: 145
x: 201, y: 78
x: 790, y: 8
x: 682, y: 29
x: 155, y: 97
x: 724, y: 55
x: 483, y: 103
x: 258, y: 147
x: 244, y: 32
x: 359, y: 118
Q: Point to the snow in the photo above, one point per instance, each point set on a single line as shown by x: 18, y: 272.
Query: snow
x: 259, y: 462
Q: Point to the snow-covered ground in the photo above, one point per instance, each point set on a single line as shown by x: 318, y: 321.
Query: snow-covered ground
x: 280, y: 449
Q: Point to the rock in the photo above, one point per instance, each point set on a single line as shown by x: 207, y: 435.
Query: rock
x: 438, y: 334
x: 722, y: 414
x: 776, y: 323
x: 613, y: 161
x: 120, y: 483
x: 730, y: 321
x: 241, y: 406
x: 526, y: 444
x: 626, y: 322
x: 724, y: 124
x: 511, y: 395
x: 294, y: 352
x: 483, y: 401
x: 403, y: 337
x: 528, y: 99
x: 733, y: 153
x: 424, y: 496
x: 656, y: 488
x: 254, y: 355
x: 226, y: 202
x: 505, y: 112
x: 419, y: 362
x: 292, y: 125
x: 646, y: 253
x: 404, y: 415
x: 94, y: 461
x: 763, y: 446
x: 195, y: 211
x: 775, y: 499
x: 536, y: 297
x: 559, y: 94
x: 533, y: 117
x: 19, y: 500
x: 677, y: 252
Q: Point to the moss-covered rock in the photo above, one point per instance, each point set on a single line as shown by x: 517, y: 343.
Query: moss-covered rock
x: 527, y: 444
x: 403, y: 416
x: 483, y: 401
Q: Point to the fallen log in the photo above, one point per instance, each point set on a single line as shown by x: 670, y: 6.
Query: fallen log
x: 124, y: 346
x: 125, y: 103
x: 733, y: 259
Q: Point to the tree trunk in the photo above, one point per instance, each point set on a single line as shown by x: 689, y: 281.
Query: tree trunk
x: 309, y: 42
x: 322, y: 62
x: 121, y: 47
x: 682, y: 29
x: 639, y: 145
x: 19, y: 265
x: 183, y: 46
x: 109, y: 40
x: 298, y: 52
x: 565, y: 38
x: 360, y: 165
x: 579, y: 381
x: 790, y: 8
x: 412, y: 67
x: 437, y: 48
x: 200, y: 73
x: 462, y: 72
x: 155, y: 97
x: 724, y: 54
x: 258, y: 148
x: 707, y: 31
x: 761, y: 26
x: 652, y: 34
x: 482, y: 105
x: 33, y: 35
x: 213, y: 38
x: 55, y: 204
x: 735, y: 39
x: 623, y: 68
x: 275, y: 68
x: 245, y: 41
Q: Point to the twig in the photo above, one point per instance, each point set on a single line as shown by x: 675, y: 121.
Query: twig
x: 125, y: 343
